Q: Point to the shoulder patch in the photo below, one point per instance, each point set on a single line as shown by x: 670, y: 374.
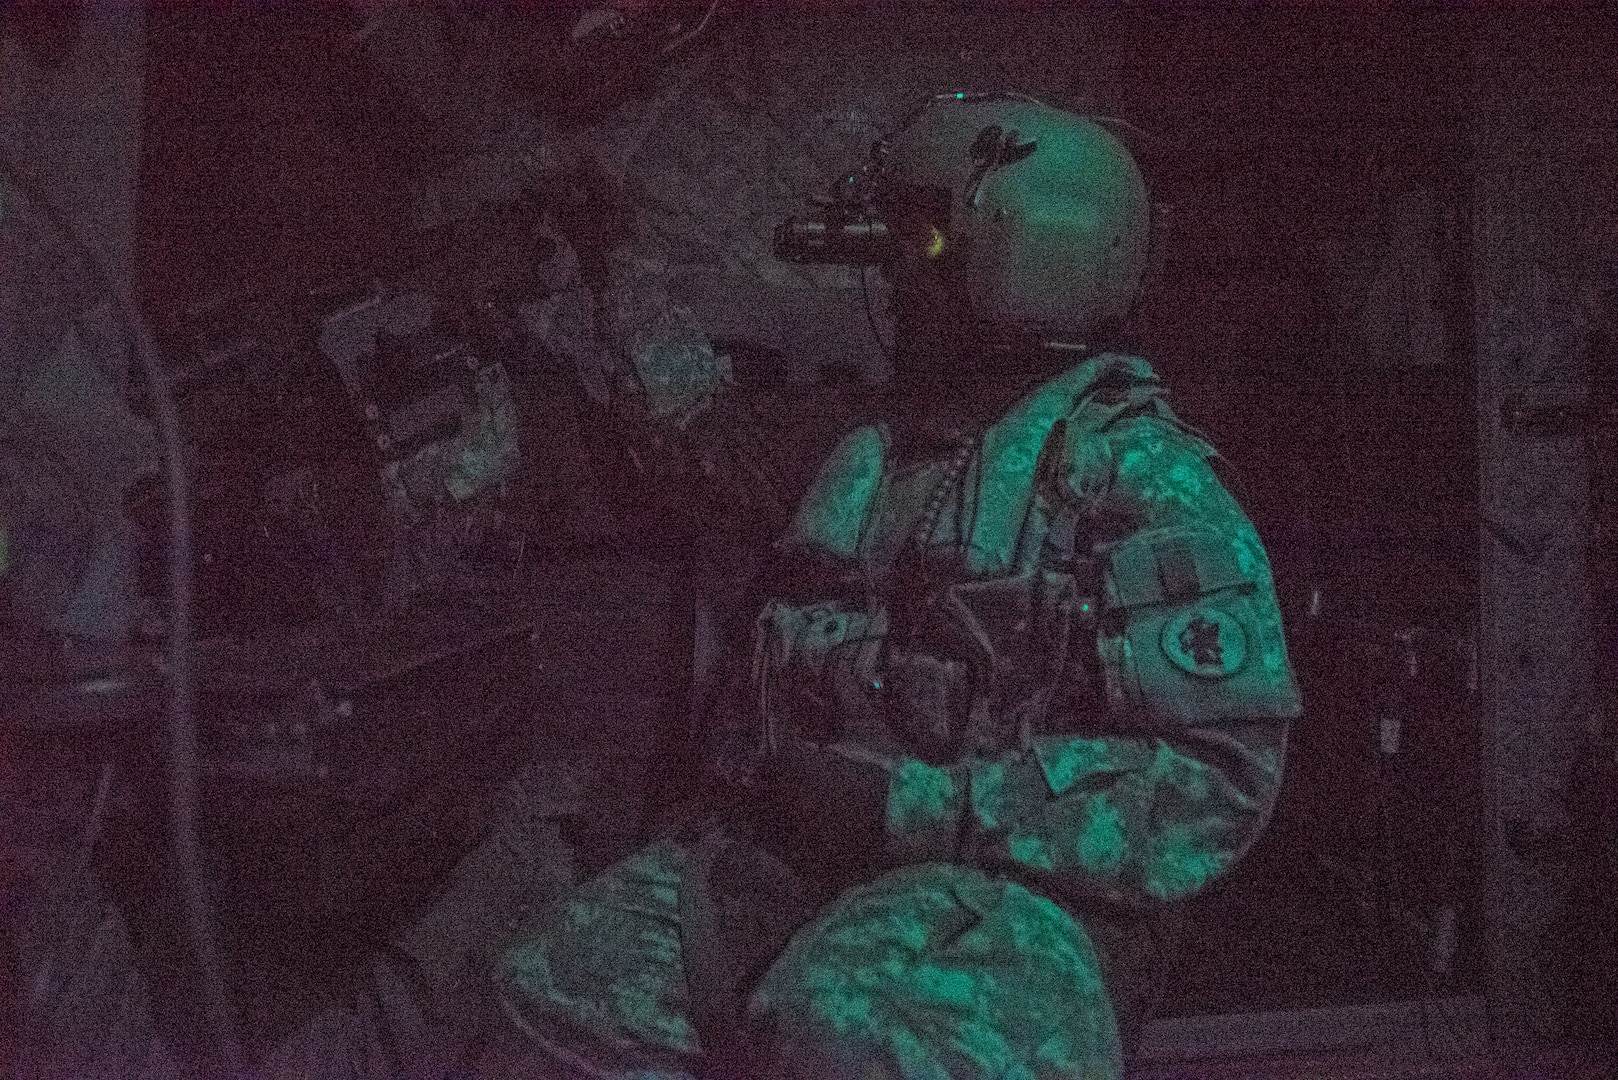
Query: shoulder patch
x: 1198, y: 636
x: 1206, y: 642
x: 832, y: 515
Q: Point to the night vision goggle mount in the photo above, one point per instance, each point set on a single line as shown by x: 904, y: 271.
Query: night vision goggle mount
x: 869, y: 219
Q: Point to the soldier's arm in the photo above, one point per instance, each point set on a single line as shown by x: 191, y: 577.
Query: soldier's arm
x: 1174, y: 784
x: 1156, y: 797
x: 1167, y: 790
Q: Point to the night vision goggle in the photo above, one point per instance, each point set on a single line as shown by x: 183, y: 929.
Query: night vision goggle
x: 869, y: 218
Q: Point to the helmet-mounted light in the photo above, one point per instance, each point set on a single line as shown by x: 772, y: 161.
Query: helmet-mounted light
x: 854, y: 224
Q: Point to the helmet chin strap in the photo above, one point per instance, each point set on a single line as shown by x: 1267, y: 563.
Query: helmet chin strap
x: 1028, y: 342
x: 1034, y: 349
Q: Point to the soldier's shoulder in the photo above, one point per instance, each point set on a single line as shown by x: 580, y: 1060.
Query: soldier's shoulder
x: 833, y: 510
x: 1164, y: 467
x: 1105, y: 376
x: 1063, y: 398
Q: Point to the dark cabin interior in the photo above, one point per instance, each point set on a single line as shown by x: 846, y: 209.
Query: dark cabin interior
x: 371, y: 680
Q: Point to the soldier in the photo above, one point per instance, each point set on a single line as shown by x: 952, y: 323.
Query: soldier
x: 1019, y: 681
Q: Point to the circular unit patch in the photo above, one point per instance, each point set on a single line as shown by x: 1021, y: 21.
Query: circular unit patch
x: 1205, y: 642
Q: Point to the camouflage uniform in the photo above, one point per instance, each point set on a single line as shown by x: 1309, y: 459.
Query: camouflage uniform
x: 997, y: 700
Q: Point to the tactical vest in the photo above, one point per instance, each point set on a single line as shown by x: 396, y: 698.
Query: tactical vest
x: 954, y: 610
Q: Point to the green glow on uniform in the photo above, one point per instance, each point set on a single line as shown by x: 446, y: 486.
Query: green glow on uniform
x: 1101, y: 844
x: 919, y: 796
x: 938, y: 971
x: 1192, y: 779
x: 610, y: 959
x: 1070, y: 760
x: 831, y: 515
x: 1031, y: 851
x: 988, y: 793
x: 844, y: 1009
x: 935, y: 244
x: 1187, y: 477
x: 1010, y: 450
x: 943, y: 985
x: 1181, y: 863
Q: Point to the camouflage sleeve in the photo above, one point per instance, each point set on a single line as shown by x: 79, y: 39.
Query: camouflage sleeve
x: 1178, y: 781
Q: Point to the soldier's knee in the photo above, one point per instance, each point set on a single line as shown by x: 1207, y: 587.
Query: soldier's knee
x: 940, y: 971
x: 600, y: 974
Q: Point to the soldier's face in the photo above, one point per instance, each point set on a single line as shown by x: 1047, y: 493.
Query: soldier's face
x: 929, y: 303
